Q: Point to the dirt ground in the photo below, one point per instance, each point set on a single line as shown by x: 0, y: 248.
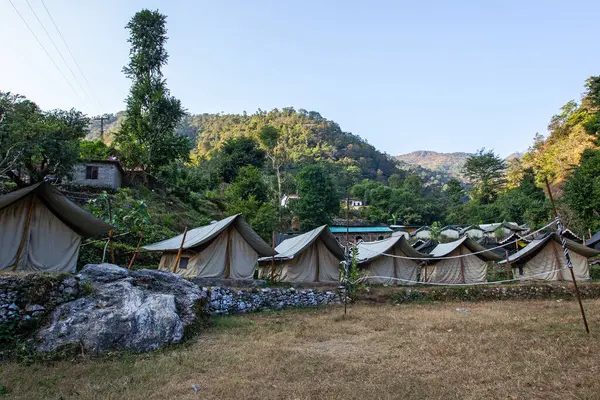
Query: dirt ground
x: 503, y: 350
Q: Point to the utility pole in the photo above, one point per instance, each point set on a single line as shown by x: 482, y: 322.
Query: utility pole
x: 101, y: 119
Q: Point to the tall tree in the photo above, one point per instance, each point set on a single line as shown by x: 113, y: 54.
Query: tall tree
x: 147, y: 137
x: 272, y: 141
x: 454, y: 191
x: 486, y: 172
x: 319, y: 201
x: 237, y: 153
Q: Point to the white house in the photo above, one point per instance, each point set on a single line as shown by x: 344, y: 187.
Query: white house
x: 100, y: 173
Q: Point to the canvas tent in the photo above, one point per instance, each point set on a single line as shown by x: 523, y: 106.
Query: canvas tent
x: 473, y: 231
x: 41, y: 230
x: 469, y: 269
x: 311, y: 257
x: 373, y: 258
x: 543, y: 259
x: 225, y: 249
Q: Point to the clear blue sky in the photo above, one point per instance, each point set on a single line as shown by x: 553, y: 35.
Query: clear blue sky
x: 436, y: 75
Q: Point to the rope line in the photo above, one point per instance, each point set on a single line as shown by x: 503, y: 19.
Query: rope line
x: 523, y: 278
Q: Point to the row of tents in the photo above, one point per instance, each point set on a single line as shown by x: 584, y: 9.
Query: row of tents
x: 41, y: 230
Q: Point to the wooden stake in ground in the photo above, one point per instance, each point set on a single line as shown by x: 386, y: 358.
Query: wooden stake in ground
x: 25, y: 232
x: 273, y: 258
x: 137, y: 248
x: 559, y: 230
x: 179, y: 251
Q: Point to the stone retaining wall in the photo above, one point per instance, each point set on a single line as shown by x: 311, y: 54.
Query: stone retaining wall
x: 232, y: 301
x: 31, y: 297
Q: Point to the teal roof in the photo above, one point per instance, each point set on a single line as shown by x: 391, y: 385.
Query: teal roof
x: 361, y: 229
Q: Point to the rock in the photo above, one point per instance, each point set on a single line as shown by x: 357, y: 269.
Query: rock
x: 134, y: 310
x: 34, y: 308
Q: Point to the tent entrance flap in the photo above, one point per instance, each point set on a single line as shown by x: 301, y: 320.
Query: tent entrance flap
x: 25, y: 231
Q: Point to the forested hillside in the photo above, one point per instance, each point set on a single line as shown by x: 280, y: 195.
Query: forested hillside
x: 450, y: 164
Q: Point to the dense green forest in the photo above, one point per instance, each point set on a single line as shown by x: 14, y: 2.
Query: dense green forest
x: 191, y: 169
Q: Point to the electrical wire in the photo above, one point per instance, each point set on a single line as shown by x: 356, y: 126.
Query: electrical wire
x: 72, y: 56
x: 60, y: 54
x: 43, y: 47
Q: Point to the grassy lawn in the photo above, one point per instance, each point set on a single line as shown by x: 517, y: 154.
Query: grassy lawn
x: 505, y: 350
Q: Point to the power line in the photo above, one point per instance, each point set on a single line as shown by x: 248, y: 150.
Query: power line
x: 72, y: 56
x: 43, y: 47
x: 58, y: 50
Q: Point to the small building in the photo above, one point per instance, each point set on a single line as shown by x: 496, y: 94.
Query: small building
x: 354, y: 203
x: 360, y: 233
x: 423, y: 232
x: 408, y: 228
x: 41, y: 230
x: 313, y: 256
x: 455, y: 262
x: 382, y: 264
x: 288, y: 198
x: 473, y: 231
x: 99, y: 173
x: 450, y: 232
x: 543, y: 259
x: 227, y: 249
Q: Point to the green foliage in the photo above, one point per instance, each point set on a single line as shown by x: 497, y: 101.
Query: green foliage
x: 582, y: 190
x: 454, y: 191
x: 236, y: 153
x: 121, y: 211
x: 93, y: 150
x: 486, y: 172
x: 436, y: 231
x: 249, y: 195
x: 318, y: 202
x: 38, y: 143
x: 395, y: 181
x: 147, y: 137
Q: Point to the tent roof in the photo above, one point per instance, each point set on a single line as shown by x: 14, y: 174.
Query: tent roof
x: 536, y: 245
x: 512, y: 237
x: 360, y: 229
x: 451, y: 227
x: 508, y: 225
x: 593, y: 240
x: 444, y: 249
x: 369, y: 251
x: 198, y: 236
x: 289, y: 248
x: 75, y: 217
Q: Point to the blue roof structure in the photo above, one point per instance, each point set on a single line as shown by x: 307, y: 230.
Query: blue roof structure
x: 361, y: 229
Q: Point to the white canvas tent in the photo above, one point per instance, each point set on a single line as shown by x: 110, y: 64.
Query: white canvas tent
x: 311, y: 257
x: 469, y: 269
x: 225, y: 249
x: 41, y: 230
x: 385, y: 269
x: 543, y: 259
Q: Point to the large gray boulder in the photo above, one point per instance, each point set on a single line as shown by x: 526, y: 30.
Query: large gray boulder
x: 134, y: 310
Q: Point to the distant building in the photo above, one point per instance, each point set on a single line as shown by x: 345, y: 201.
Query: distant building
x: 451, y: 232
x: 423, y: 232
x: 287, y: 198
x: 360, y: 233
x: 100, y: 173
x: 354, y: 203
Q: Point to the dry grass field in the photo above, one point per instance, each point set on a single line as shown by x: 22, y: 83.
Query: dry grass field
x: 503, y: 350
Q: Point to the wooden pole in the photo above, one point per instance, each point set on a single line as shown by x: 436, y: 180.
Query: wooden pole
x: 25, y: 232
x: 179, y: 251
x: 137, y: 248
x: 317, y: 260
x: 273, y: 258
x: 559, y: 229
x: 507, y: 265
x: 228, y: 255
x: 462, y: 265
x: 110, y: 243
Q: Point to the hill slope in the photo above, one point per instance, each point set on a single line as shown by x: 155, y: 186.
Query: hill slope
x: 444, y: 163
